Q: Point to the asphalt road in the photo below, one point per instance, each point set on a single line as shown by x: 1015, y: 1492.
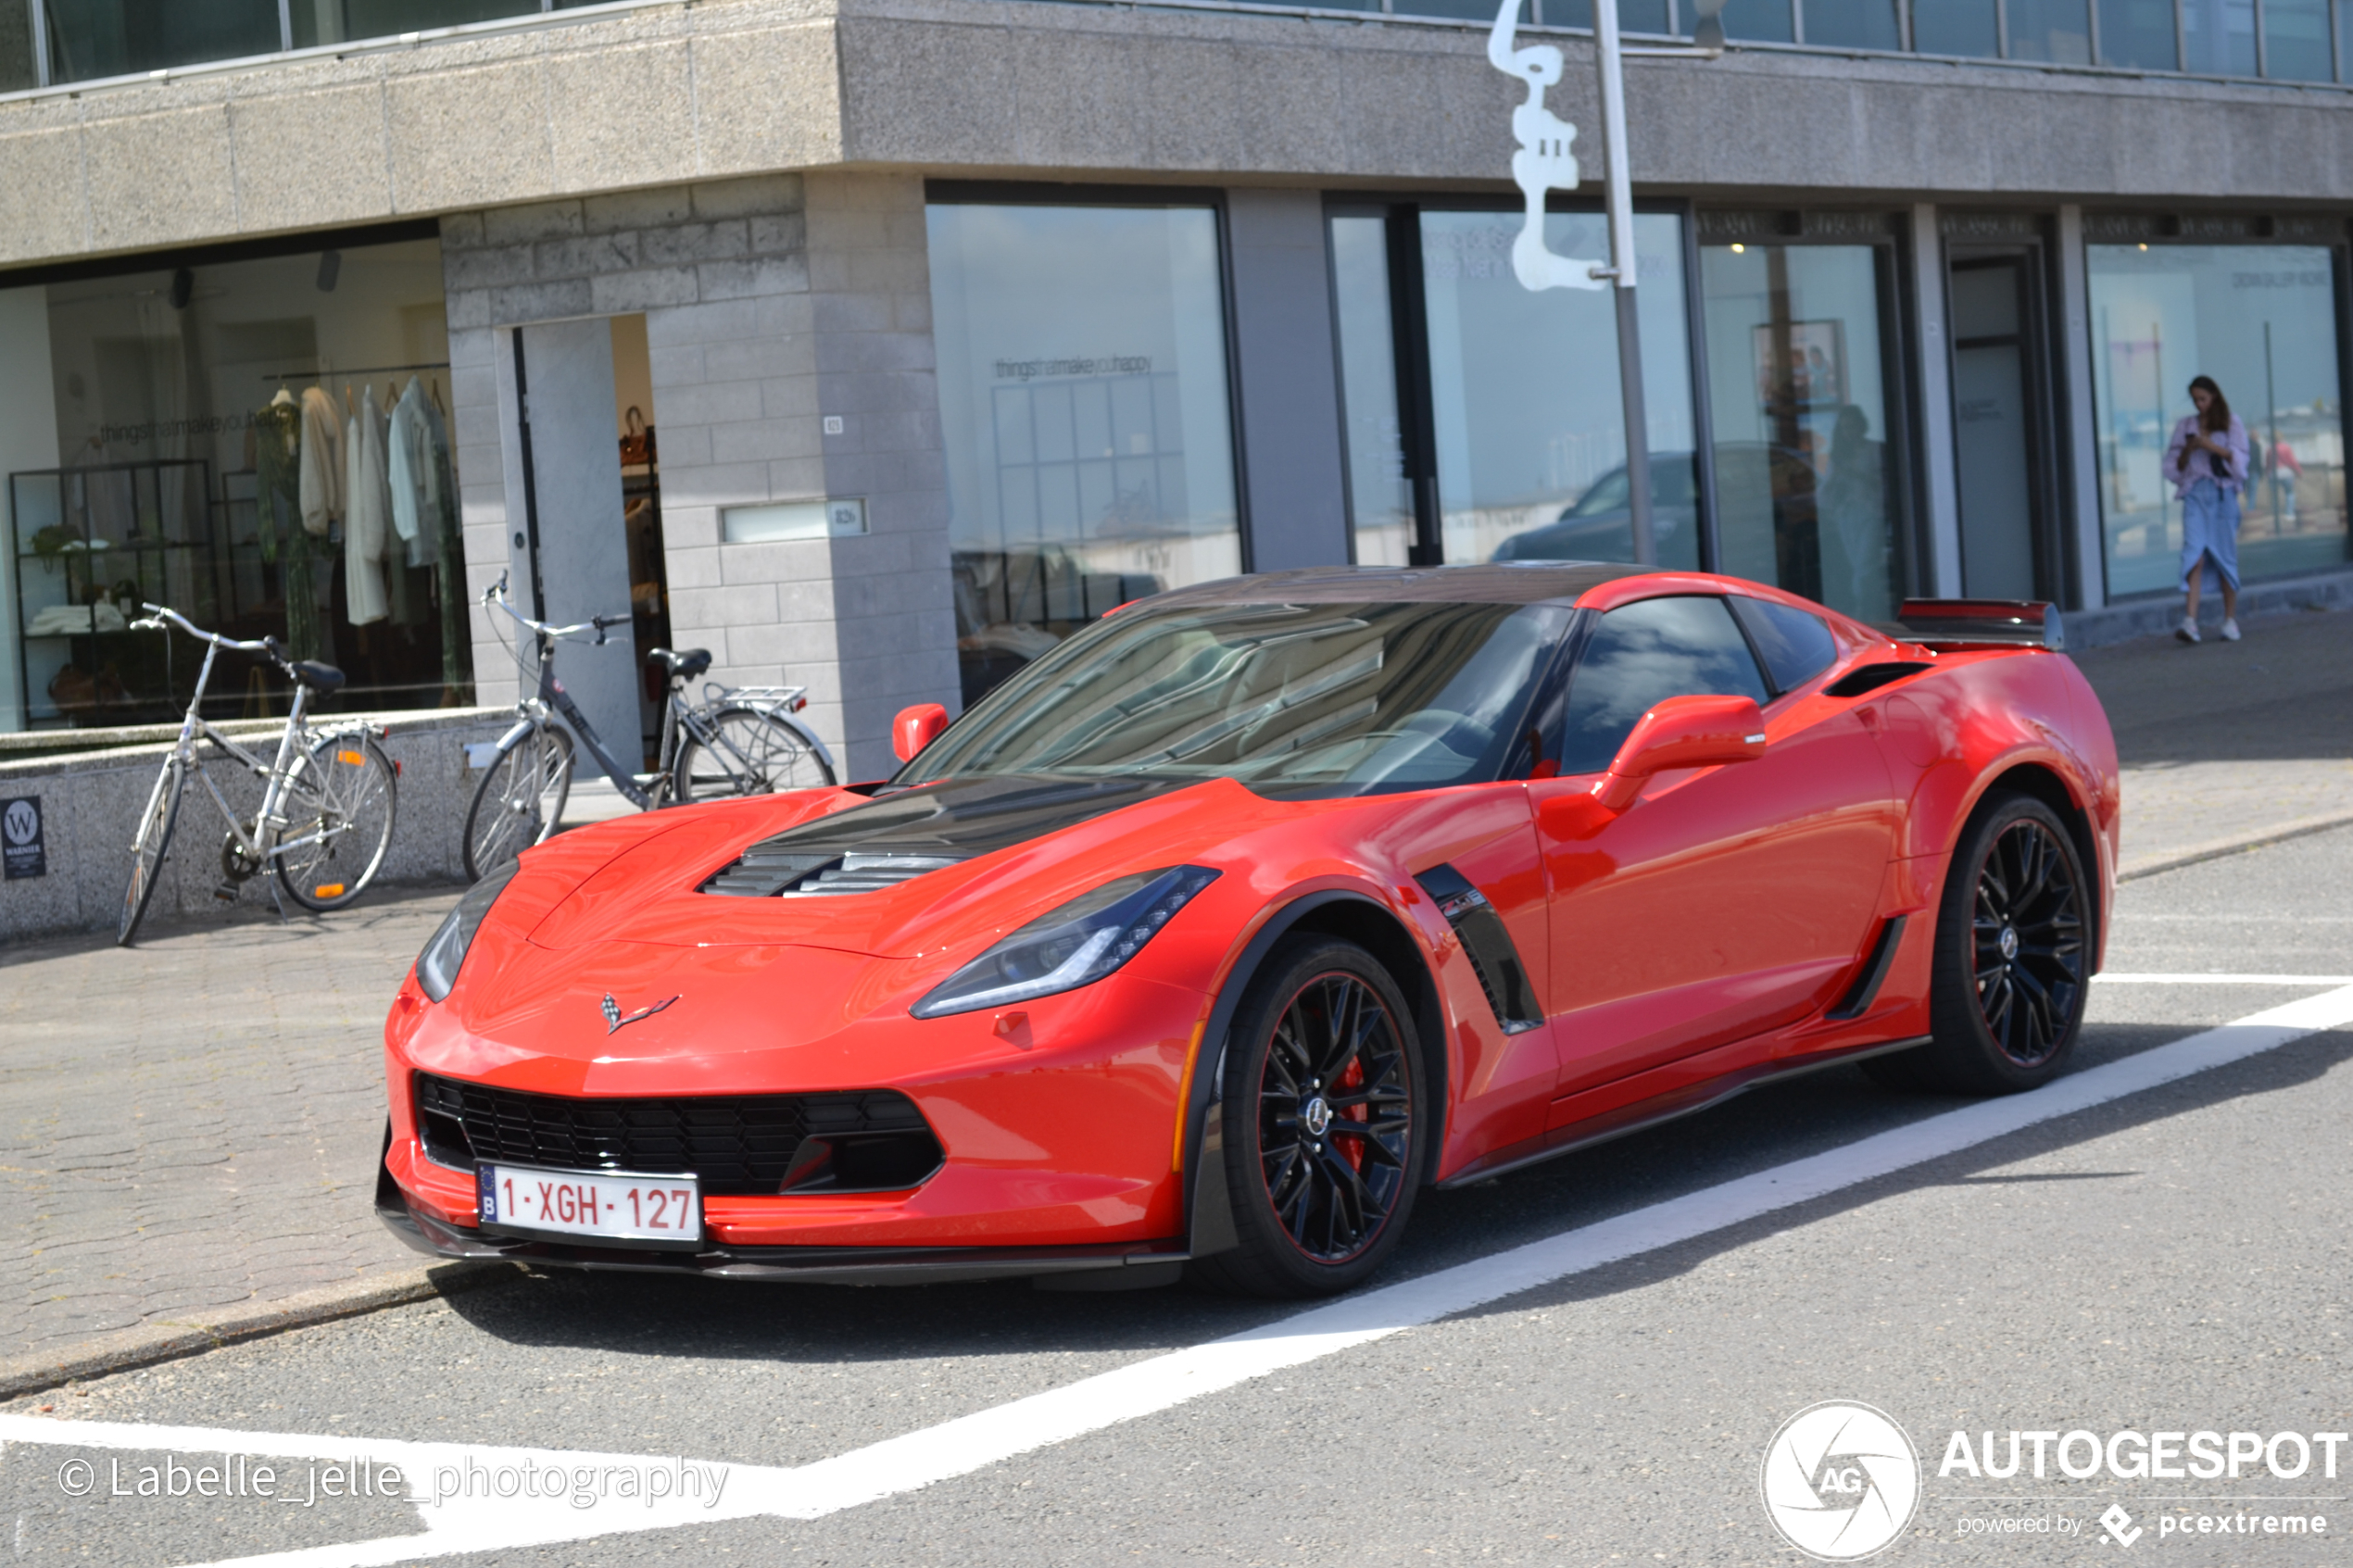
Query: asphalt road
x: 2173, y: 1260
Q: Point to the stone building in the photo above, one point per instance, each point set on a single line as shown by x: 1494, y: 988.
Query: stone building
x: 958, y: 322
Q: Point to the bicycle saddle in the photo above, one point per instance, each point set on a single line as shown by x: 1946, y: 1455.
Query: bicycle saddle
x: 681, y: 666
x: 318, y: 677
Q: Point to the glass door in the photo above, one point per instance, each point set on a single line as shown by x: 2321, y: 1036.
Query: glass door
x: 2002, y: 430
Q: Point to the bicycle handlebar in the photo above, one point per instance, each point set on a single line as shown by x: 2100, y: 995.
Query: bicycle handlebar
x: 496, y: 595
x: 158, y: 614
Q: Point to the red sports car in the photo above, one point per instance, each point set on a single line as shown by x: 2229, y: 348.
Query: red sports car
x: 1212, y: 936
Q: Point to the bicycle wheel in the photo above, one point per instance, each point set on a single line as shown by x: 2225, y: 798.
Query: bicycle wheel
x: 147, y: 850
x: 520, y: 801
x: 338, y: 805
x: 748, y: 751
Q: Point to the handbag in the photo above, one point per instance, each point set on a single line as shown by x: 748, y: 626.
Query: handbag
x: 636, y: 439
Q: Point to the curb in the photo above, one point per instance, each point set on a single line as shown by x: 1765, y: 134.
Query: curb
x: 171, y: 1339
x: 2301, y: 827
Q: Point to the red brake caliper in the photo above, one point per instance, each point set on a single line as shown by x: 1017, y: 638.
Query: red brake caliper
x: 1349, y: 1083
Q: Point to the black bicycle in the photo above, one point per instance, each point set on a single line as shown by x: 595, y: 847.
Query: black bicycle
x: 738, y: 740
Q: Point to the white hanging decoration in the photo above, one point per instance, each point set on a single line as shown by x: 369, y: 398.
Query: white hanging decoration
x: 1543, y: 162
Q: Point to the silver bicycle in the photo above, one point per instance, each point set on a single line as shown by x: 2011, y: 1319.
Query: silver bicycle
x: 327, y: 799
x: 738, y: 740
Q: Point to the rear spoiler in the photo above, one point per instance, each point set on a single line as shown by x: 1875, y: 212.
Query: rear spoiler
x: 1956, y: 623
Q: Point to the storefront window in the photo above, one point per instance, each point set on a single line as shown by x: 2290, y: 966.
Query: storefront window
x: 1525, y: 400
x: 2261, y: 320
x: 1381, y: 506
x: 204, y: 457
x: 1083, y: 399
x: 1806, y: 489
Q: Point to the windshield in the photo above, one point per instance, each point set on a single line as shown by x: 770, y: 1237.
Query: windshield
x: 1316, y: 698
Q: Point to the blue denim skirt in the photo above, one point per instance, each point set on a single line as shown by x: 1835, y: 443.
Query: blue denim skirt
x: 2211, y: 527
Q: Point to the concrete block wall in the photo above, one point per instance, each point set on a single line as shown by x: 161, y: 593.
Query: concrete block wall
x: 770, y: 304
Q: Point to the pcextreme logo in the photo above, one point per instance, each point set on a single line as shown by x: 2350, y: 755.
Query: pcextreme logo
x: 1841, y: 1481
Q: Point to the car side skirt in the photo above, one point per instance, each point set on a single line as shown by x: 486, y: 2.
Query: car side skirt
x: 1661, y: 1108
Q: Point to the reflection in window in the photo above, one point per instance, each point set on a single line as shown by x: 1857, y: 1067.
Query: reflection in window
x: 2296, y: 40
x: 1381, y: 506
x: 1641, y: 655
x: 1082, y: 396
x: 1524, y: 392
x: 2261, y: 320
x: 1956, y: 27
x: 1633, y: 15
x: 333, y: 21
x: 1806, y: 491
x: 2219, y: 37
x: 1853, y: 24
x: 95, y: 38
x: 2054, y: 31
x: 1765, y: 21
x: 2138, y: 35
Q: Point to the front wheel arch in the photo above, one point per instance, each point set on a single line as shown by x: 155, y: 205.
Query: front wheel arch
x: 2038, y: 782
x: 1350, y: 916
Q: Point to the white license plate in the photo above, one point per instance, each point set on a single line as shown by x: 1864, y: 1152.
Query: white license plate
x: 657, y: 1210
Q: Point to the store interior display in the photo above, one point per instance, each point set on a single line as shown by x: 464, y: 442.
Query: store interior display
x: 263, y: 445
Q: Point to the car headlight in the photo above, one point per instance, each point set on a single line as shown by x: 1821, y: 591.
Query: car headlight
x: 1076, y: 945
x: 437, y: 965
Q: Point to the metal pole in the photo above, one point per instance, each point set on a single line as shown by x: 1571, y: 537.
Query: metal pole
x: 1619, y: 195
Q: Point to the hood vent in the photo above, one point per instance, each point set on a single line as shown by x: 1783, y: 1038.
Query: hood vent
x: 768, y: 873
x: 883, y: 843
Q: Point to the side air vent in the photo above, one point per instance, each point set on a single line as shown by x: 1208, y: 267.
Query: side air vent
x: 765, y: 874
x: 1489, y: 947
x: 1867, y: 678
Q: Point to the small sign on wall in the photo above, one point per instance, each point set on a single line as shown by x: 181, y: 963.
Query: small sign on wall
x: 23, y: 849
x: 792, y: 520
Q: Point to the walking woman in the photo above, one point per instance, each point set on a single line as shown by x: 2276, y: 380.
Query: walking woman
x: 2206, y: 463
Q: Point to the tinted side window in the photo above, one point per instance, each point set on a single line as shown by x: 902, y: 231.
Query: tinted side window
x: 1641, y: 655
x: 1798, y: 646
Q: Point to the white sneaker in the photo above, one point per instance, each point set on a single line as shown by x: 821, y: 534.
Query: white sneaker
x: 2187, y: 630
x: 2230, y: 630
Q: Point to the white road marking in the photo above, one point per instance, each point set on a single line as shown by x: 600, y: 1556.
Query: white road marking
x: 2225, y: 979
x: 974, y: 1442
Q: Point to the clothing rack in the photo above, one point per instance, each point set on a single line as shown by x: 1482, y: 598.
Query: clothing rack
x: 354, y: 371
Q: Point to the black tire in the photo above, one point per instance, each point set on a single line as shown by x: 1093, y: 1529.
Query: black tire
x: 520, y: 801
x: 2013, y: 956
x: 343, y: 796
x: 1315, y: 1220
x: 149, y: 848
x: 751, y: 752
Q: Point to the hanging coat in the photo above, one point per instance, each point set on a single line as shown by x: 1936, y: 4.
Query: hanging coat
x: 415, y: 477
x: 367, y: 520
x: 322, y: 463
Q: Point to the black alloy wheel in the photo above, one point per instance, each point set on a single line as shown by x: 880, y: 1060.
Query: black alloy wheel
x: 2014, y: 943
x: 2027, y: 933
x: 1320, y: 1112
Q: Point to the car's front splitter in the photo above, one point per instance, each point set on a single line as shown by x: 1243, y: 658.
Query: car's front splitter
x: 429, y: 1234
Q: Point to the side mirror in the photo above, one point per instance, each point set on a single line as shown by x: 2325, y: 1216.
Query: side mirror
x: 1682, y: 732
x: 917, y: 727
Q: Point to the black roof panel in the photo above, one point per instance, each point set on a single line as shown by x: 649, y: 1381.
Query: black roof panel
x: 1495, y: 582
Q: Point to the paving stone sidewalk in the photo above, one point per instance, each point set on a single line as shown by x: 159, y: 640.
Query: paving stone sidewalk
x: 188, y: 1129
x: 2223, y: 743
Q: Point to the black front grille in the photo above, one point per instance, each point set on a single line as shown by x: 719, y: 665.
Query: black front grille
x: 738, y: 1144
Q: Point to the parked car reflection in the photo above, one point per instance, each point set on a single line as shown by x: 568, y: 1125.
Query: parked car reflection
x: 1014, y: 605
x: 1766, y: 498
